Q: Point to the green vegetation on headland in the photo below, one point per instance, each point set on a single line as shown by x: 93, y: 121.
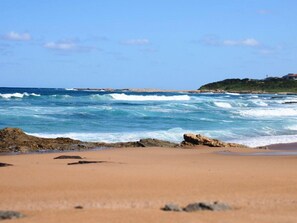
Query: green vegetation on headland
x: 268, y: 85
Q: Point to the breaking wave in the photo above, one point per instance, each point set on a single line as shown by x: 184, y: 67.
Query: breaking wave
x: 277, y: 112
x: 173, y: 135
x: 266, y: 140
x: 125, y: 97
x: 18, y: 95
x: 223, y: 105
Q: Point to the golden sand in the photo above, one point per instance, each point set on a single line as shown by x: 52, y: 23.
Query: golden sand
x: 136, y: 183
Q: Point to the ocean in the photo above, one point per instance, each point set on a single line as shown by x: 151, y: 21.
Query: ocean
x: 250, y: 119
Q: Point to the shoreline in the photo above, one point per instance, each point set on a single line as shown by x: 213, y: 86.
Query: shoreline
x: 15, y: 141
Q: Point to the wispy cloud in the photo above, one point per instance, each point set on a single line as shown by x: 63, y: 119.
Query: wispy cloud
x: 5, y: 49
x: 14, y: 36
x: 259, y: 47
x: 136, y: 42
x: 215, y: 41
x: 149, y: 50
x: 60, y: 46
x: 67, y: 46
x: 244, y: 42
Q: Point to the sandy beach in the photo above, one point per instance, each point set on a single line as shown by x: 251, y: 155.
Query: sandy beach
x: 135, y: 184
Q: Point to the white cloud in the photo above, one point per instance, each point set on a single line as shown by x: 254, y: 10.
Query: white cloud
x: 245, y: 42
x: 212, y: 40
x: 60, y: 45
x: 68, y: 46
x: 136, y: 42
x: 14, y: 36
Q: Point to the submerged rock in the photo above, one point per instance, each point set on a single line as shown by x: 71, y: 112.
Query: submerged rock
x: 10, y: 215
x: 193, y: 140
x: 202, y: 206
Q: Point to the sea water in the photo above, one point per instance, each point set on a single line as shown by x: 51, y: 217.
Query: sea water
x: 250, y: 119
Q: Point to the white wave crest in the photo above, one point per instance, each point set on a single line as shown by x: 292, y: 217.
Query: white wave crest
x: 276, y: 112
x: 260, y: 103
x: 125, y: 97
x: 292, y: 127
x: 222, y: 104
x: 230, y: 93
x: 266, y: 140
x: 18, y: 95
x: 173, y: 135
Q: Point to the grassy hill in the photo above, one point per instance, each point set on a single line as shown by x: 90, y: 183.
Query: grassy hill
x: 271, y: 85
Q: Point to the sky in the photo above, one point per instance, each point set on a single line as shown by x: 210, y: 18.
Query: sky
x: 166, y: 44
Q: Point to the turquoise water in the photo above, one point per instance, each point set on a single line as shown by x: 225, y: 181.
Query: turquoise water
x: 254, y: 120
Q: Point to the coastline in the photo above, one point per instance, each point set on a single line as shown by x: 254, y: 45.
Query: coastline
x: 15, y: 141
x: 195, y: 91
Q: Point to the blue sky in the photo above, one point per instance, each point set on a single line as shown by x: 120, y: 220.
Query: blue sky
x: 165, y: 44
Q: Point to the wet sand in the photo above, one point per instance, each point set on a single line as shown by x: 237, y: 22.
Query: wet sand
x: 284, y: 146
x: 135, y: 183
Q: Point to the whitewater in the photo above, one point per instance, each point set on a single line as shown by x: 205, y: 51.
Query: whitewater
x: 250, y: 119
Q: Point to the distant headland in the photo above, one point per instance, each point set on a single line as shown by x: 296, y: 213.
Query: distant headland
x: 283, y: 85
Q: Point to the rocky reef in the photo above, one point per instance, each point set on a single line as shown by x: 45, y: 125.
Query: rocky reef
x: 195, y: 140
x: 15, y: 140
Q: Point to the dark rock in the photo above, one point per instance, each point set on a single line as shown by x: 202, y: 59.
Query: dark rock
x: 202, y: 206
x: 156, y: 143
x: 68, y: 157
x: 193, y: 140
x: 86, y: 162
x: 262, y: 147
x: 10, y: 215
x: 15, y: 140
x: 79, y: 207
x: 172, y: 207
x: 289, y: 102
x: 5, y: 164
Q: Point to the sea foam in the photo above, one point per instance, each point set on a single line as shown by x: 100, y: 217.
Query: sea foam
x: 125, y: 97
x: 222, y: 104
x: 173, y: 135
x: 18, y: 95
x: 271, y: 112
x: 266, y: 140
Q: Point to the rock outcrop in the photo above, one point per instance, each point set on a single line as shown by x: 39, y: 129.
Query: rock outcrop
x: 202, y: 206
x: 194, y: 140
x: 155, y: 143
x: 15, y: 140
